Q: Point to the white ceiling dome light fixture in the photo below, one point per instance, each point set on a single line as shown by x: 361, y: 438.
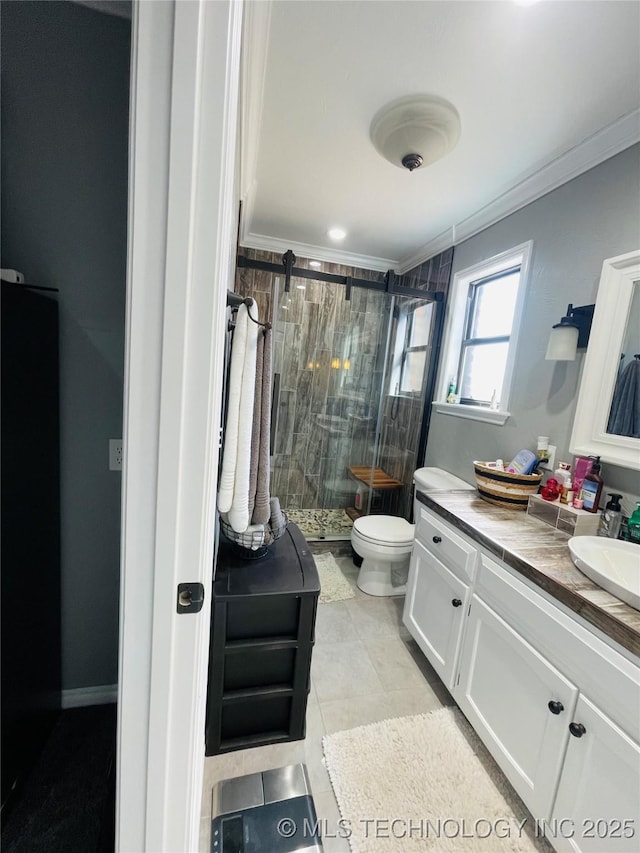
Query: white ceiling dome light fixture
x: 415, y: 131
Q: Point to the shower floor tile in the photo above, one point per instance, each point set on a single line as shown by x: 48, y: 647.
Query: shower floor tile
x: 321, y: 523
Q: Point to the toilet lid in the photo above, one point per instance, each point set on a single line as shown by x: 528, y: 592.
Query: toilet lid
x: 437, y: 478
x: 385, y: 529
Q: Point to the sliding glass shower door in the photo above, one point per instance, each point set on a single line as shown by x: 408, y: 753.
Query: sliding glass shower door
x: 329, y: 365
x: 354, y: 371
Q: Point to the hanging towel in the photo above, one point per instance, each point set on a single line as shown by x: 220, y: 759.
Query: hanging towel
x: 262, y: 510
x: 624, y: 418
x: 255, y: 434
x: 239, y: 512
x: 238, y: 348
x: 278, y: 520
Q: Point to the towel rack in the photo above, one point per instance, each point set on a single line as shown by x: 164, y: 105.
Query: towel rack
x: 234, y: 301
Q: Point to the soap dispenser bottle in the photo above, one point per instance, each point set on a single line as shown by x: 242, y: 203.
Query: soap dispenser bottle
x: 592, y: 487
x: 611, y: 517
x: 634, y: 525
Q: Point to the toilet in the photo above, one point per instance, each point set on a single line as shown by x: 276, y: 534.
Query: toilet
x: 384, y: 542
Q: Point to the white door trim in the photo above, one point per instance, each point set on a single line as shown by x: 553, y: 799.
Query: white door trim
x: 182, y: 244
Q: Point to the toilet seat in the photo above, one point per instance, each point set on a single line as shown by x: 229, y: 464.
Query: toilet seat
x: 386, y: 530
x: 385, y: 542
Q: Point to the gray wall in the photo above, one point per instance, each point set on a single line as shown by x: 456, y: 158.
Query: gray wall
x: 65, y: 91
x: 574, y: 228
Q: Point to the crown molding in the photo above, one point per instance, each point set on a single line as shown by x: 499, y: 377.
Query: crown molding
x: 606, y: 143
x: 439, y: 244
x: 318, y: 253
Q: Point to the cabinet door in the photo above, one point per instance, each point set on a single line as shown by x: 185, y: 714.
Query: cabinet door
x: 597, y: 809
x: 434, y: 610
x: 505, y: 687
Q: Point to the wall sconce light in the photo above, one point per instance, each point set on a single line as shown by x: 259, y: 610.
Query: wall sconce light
x: 570, y: 334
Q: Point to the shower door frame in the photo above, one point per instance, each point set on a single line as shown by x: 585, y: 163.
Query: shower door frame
x: 391, y: 285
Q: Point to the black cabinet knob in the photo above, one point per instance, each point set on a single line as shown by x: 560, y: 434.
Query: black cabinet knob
x: 577, y: 729
x: 437, y: 539
x: 555, y: 707
x: 456, y: 602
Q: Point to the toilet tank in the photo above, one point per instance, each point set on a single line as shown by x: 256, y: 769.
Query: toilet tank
x: 427, y: 479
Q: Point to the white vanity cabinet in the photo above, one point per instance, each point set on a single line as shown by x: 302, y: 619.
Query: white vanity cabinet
x: 517, y: 702
x: 599, y: 788
x: 438, y: 591
x: 556, y: 705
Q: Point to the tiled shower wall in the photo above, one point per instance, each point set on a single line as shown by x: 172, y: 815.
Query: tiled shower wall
x: 330, y: 355
x: 401, y: 423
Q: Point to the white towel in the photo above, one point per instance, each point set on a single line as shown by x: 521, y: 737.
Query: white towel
x: 228, y: 473
x: 239, y: 513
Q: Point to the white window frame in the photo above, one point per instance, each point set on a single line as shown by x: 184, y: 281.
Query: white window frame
x: 519, y: 256
x: 400, y: 349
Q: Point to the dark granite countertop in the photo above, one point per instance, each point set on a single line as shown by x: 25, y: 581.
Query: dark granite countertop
x: 539, y: 552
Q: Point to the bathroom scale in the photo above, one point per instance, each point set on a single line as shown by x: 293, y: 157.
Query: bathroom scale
x: 268, y: 812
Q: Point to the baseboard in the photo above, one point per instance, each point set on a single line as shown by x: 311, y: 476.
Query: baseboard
x: 79, y: 697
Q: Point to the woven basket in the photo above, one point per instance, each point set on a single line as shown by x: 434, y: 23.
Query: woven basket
x: 503, y: 488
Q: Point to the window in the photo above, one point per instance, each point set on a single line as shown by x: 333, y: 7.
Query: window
x: 481, y: 337
x: 491, y: 303
x: 411, y: 344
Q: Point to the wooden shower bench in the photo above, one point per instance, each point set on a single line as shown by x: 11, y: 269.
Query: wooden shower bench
x: 378, y: 481
x: 375, y: 478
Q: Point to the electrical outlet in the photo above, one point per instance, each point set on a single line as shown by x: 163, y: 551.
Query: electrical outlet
x: 115, y: 454
x: 549, y: 465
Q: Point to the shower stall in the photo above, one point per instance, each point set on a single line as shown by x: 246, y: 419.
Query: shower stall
x: 354, y: 364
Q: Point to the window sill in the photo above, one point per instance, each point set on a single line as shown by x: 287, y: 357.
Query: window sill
x: 473, y: 413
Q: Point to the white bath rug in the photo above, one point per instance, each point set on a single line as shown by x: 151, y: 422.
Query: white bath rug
x: 416, y: 784
x: 333, y: 584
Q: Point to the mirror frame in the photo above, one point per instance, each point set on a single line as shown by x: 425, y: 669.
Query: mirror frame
x: 589, y: 437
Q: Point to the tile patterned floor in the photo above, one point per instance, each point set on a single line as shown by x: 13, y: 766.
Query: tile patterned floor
x: 321, y: 523
x: 365, y: 668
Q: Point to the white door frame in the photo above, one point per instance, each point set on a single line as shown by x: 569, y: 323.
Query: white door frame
x: 182, y: 228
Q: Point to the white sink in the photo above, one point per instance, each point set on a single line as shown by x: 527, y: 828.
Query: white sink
x: 611, y: 563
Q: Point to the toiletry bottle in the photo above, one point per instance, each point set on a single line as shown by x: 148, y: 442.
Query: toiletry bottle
x: 563, y: 476
x: 610, y: 518
x: 581, y: 468
x: 633, y: 525
x: 451, y: 392
x: 592, y: 487
x: 523, y: 462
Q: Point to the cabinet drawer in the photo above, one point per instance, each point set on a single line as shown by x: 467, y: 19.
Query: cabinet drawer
x: 258, y: 667
x: 263, y: 616
x: 458, y: 555
x: 264, y: 717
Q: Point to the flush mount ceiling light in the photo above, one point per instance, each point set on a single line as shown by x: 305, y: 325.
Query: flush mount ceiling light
x: 415, y: 131
x: 315, y: 264
x: 336, y: 233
